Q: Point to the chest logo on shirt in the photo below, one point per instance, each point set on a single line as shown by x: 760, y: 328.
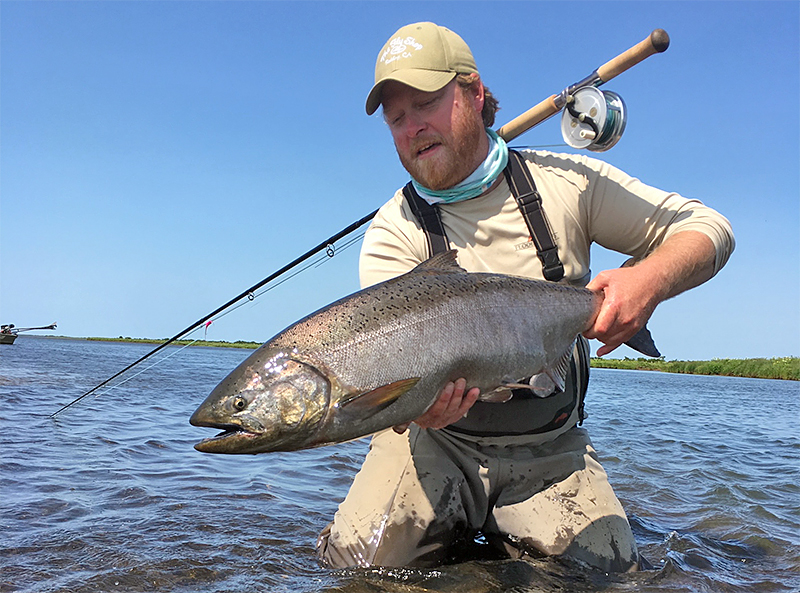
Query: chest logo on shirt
x: 523, y: 246
x: 529, y: 244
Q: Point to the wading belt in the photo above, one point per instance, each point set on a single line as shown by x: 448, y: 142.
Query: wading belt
x: 516, y: 415
x: 530, y: 205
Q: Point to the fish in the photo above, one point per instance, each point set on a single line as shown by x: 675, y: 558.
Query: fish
x: 379, y: 357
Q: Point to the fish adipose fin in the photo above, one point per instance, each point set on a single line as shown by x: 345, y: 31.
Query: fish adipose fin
x: 371, y: 402
x: 442, y: 262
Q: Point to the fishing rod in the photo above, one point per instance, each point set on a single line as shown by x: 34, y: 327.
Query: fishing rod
x: 325, y: 245
x: 593, y: 134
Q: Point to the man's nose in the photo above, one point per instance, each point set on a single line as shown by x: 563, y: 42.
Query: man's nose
x: 414, y: 124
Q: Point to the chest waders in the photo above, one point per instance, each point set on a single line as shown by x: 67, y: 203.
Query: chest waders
x: 525, y: 413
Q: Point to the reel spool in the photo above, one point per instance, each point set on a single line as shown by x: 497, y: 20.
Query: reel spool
x: 593, y: 119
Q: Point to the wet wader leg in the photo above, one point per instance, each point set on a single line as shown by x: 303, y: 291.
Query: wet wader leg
x: 577, y: 515
x: 401, y: 510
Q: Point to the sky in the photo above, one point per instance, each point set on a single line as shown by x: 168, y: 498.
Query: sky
x: 159, y: 158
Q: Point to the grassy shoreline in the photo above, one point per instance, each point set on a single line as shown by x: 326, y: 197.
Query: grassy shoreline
x: 787, y: 367
x: 207, y: 343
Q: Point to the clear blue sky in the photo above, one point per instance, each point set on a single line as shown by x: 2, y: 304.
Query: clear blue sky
x: 158, y: 158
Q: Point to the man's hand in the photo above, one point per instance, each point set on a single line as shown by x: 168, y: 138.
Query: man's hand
x: 683, y: 261
x: 451, y: 406
x: 629, y: 299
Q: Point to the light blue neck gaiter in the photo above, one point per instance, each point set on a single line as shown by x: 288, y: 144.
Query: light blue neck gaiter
x: 477, y: 182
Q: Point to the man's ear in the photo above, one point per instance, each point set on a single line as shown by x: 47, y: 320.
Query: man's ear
x: 478, y: 95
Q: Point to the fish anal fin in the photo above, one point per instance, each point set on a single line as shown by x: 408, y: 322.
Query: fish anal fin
x: 371, y: 402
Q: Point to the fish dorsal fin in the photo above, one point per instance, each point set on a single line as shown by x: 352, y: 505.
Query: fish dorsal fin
x: 371, y: 402
x: 441, y: 262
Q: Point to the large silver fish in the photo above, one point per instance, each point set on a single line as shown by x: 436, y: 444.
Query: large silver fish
x: 379, y: 357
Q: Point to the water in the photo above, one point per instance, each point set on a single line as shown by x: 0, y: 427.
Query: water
x: 111, y: 496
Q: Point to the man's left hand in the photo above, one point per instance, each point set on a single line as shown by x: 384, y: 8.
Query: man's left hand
x: 452, y: 405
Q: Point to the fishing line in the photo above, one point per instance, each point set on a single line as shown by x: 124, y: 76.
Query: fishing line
x: 324, y: 245
x: 144, y: 370
x: 330, y: 252
x: 540, y: 146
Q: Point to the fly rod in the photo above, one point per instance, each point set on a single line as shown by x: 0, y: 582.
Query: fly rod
x: 310, y: 253
x: 656, y: 42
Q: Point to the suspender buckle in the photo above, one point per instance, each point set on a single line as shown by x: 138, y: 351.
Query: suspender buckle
x: 552, y: 267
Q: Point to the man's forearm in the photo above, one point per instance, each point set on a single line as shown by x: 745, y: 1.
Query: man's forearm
x: 630, y: 295
x: 683, y: 261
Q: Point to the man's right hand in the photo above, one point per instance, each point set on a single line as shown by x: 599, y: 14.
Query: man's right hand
x: 452, y: 405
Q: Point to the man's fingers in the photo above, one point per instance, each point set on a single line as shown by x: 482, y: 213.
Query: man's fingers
x: 401, y: 428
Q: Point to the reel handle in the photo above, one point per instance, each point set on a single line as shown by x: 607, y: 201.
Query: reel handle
x: 656, y: 42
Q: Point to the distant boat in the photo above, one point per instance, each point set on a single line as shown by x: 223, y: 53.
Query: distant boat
x: 8, y: 333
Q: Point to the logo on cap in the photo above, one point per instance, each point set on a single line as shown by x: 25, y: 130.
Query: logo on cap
x: 399, y: 48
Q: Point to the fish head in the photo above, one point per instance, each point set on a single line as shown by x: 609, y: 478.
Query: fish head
x: 273, y: 401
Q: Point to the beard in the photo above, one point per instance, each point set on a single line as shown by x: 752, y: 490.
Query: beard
x: 457, y: 158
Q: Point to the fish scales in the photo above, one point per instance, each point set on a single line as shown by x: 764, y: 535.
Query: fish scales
x: 496, y: 321
x: 381, y: 356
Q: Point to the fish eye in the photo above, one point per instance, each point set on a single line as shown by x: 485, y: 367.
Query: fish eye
x: 239, y: 402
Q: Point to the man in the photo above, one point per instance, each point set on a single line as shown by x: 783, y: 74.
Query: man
x: 523, y: 473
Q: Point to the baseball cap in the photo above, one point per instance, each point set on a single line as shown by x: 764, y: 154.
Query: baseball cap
x: 424, y: 56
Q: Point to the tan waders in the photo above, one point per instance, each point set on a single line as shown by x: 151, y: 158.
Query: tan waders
x: 422, y: 492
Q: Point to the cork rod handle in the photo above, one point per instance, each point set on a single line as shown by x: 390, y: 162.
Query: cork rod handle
x: 656, y: 42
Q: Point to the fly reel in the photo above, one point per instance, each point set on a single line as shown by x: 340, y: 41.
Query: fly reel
x: 593, y: 119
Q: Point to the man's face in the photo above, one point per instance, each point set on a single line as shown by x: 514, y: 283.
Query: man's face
x: 439, y: 136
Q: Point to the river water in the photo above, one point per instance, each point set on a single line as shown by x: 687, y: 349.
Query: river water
x: 111, y: 496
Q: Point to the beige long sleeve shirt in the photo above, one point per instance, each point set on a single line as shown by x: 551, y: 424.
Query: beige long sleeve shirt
x: 585, y: 200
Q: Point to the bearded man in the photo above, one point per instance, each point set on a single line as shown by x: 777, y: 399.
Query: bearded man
x: 523, y: 474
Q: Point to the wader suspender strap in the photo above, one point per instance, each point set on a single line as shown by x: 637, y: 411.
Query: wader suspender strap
x: 430, y: 220
x: 530, y: 205
x: 529, y: 202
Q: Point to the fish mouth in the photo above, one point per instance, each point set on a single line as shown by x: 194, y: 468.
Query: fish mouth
x: 232, y: 439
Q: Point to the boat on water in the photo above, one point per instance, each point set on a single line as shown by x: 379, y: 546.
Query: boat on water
x: 9, y: 332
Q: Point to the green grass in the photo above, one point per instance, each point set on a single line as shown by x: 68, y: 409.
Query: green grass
x: 237, y: 344
x: 787, y: 367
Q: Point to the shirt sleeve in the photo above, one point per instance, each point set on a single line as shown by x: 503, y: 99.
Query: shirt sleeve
x: 630, y: 217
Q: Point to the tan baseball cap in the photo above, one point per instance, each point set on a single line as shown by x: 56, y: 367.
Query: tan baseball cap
x: 424, y: 56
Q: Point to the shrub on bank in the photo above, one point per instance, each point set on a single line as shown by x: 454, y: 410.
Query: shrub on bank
x: 787, y: 367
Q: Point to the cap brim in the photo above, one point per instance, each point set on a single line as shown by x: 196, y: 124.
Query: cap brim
x: 422, y: 80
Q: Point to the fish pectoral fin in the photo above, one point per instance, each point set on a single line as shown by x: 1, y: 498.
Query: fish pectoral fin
x: 372, y: 402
